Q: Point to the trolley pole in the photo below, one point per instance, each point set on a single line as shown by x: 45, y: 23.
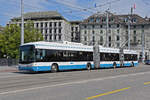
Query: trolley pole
x: 22, y: 23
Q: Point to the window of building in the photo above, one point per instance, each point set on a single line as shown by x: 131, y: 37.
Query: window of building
x: 101, y: 26
x: 85, y: 32
x: 41, y: 24
x: 46, y: 31
x: 46, y: 37
x: 134, y: 32
x: 109, y: 31
x: 109, y: 44
x: 55, y: 30
x: 97, y: 20
x: 134, y: 38
x: 93, y: 26
x: 118, y: 31
x: 76, y: 28
x: 46, y: 24
x: 101, y: 31
x: 134, y: 20
x: 59, y: 24
x: 93, y: 39
x: 118, y: 25
x: 72, y: 34
x: 101, y: 38
x: 118, y: 38
x: 50, y: 24
x: 134, y: 26
x: 59, y: 30
x: 91, y: 20
x: 72, y: 28
x: 103, y: 19
x: 50, y: 37
x: 59, y: 37
x: 55, y: 37
x: 55, y: 24
x: 85, y: 38
x: 93, y: 32
x: 109, y: 38
x: 109, y: 26
x: 37, y: 25
x: 85, y: 26
x: 50, y: 30
x: 118, y: 44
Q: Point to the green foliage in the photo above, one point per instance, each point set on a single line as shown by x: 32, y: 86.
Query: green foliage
x: 10, y: 39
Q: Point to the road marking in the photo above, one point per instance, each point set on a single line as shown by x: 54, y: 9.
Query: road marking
x: 107, y: 93
x: 146, y: 83
x: 76, y: 82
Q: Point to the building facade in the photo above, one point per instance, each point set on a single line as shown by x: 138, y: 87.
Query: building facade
x: 75, y: 31
x: 52, y: 25
x: 94, y: 29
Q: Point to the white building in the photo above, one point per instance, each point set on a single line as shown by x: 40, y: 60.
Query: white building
x: 52, y: 25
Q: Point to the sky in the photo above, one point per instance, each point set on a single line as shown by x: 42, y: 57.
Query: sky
x: 72, y: 9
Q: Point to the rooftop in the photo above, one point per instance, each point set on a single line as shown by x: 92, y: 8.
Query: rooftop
x: 99, y: 18
x: 41, y: 15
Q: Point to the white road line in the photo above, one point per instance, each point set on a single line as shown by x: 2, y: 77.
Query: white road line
x: 77, y: 82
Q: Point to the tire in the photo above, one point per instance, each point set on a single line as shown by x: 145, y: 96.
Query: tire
x: 114, y: 65
x: 88, y: 66
x: 54, y: 68
x: 132, y: 64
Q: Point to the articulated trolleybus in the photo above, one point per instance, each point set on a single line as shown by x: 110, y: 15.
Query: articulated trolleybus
x: 54, y: 56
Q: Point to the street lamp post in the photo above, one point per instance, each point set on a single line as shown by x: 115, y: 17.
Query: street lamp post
x: 22, y: 23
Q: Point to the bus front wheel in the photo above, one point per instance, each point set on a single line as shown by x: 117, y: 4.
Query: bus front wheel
x: 88, y: 66
x: 54, y: 68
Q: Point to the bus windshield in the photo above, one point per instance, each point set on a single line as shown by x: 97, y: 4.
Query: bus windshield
x: 27, y: 54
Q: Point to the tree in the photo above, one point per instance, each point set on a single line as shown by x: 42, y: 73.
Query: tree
x: 10, y: 38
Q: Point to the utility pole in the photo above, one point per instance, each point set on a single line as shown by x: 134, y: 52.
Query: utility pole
x: 107, y: 27
x: 143, y: 47
x: 129, y: 32
x: 22, y: 23
x: 96, y: 55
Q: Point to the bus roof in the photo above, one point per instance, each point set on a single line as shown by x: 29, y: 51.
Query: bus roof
x: 74, y: 46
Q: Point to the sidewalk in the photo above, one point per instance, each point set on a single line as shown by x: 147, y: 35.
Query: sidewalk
x: 8, y: 69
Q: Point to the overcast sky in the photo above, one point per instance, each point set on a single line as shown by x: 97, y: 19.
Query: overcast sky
x: 72, y: 9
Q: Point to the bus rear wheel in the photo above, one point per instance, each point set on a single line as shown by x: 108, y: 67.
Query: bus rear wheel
x: 54, y: 68
x: 88, y: 66
x: 132, y: 64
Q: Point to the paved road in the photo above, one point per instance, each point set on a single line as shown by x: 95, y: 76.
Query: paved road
x: 104, y: 84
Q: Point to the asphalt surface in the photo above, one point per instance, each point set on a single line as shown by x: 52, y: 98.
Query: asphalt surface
x: 131, y: 83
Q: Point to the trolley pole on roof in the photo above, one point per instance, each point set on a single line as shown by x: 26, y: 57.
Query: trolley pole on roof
x: 22, y: 23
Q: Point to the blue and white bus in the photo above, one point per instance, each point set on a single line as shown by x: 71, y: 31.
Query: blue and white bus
x: 53, y: 56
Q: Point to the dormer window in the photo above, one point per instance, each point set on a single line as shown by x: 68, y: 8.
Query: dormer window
x: 134, y: 20
x: 97, y: 20
x: 126, y: 20
x: 91, y: 20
